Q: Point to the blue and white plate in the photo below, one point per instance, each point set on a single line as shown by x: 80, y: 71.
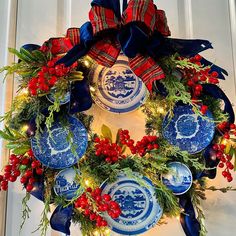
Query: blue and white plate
x: 63, y: 100
x: 179, y: 179
x: 139, y: 206
x: 119, y: 90
x: 65, y: 184
x: 187, y: 130
x: 53, y: 148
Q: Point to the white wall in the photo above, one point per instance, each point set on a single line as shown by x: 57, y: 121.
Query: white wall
x: 210, y: 19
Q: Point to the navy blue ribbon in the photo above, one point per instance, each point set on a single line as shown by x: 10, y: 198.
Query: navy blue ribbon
x: 134, y: 39
x: 188, y: 219
x: 61, y: 219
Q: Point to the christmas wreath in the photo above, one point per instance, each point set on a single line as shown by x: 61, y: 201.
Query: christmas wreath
x: 109, y: 183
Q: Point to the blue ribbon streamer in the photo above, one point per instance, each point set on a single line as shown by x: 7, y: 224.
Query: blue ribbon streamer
x: 188, y: 219
x: 61, y: 219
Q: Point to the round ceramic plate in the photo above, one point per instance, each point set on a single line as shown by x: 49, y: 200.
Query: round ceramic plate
x: 53, y: 149
x: 119, y: 90
x: 139, y: 206
x: 65, y: 184
x: 179, y: 179
x: 187, y: 130
x: 64, y: 100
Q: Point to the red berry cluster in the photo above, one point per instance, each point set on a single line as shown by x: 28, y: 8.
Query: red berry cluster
x: 147, y: 143
x: 93, y: 203
x: 111, y: 152
x: 225, y: 161
x: 48, y: 76
x: 196, y: 78
x: 21, y: 165
x: 227, y: 129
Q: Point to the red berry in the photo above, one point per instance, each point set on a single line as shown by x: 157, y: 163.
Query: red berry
x: 12, y: 178
x: 50, y: 64
x: 1, y: 178
x: 106, y: 197
x: 29, y: 187
x: 229, y: 178
x: 214, y: 74
x: 92, y: 216
x: 23, y: 180
x: 30, y: 153
x: 221, y: 165
x: 39, y: 171
x: 226, y: 136
x: 197, y: 57
x: 232, y: 126
x: 7, y: 175
x: 28, y: 173
x: 103, y: 223
x: 225, y: 173
x: 25, y: 161
x: 7, y: 168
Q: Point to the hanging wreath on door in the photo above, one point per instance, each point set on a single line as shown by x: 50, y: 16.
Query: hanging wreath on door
x: 121, y: 62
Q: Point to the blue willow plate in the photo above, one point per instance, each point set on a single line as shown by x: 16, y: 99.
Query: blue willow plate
x: 187, y: 130
x: 139, y: 206
x: 53, y: 149
x: 179, y: 179
x: 119, y: 90
x: 65, y: 184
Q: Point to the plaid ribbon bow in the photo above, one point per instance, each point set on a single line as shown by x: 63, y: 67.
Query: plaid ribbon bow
x: 130, y: 33
x: 108, y: 33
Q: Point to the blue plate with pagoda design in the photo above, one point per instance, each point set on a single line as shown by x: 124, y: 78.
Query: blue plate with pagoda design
x: 139, y: 206
x: 179, y: 179
x: 53, y: 148
x: 187, y: 130
x: 65, y: 184
x: 118, y: 90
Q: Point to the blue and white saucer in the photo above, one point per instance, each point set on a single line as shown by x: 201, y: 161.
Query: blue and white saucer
x: 63, y: 100
x: 53, y: 148
x: 139, y: 206
x: 119, y: 90
x: 179, y: 179
x: 187, y: 130
x: 65, y: 184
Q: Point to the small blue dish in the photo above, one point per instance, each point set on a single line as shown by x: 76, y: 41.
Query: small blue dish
x: 139, y: 206
x: 187, y: 130
x: 179, y: 179
x: 119, y: 90
x: 52, y: 148
x: 64, y: 100
x: 65, y: 184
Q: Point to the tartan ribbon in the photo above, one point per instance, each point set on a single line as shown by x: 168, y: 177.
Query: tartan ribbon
x: 128, y: 33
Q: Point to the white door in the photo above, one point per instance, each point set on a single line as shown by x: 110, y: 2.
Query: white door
x: 36, y: 21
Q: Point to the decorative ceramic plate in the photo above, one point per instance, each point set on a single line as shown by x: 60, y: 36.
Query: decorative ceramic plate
x: 187, y: 130
x: 54, y: 150
x: 140, y: 209
x: 65, y: 184
x: 64, y: 100
x: 179, y: 179
x: 119, y: 90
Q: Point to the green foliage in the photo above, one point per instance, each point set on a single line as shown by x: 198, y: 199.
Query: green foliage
x: 25, y: 209
x: 106, y: 132
x: 17, y: 142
